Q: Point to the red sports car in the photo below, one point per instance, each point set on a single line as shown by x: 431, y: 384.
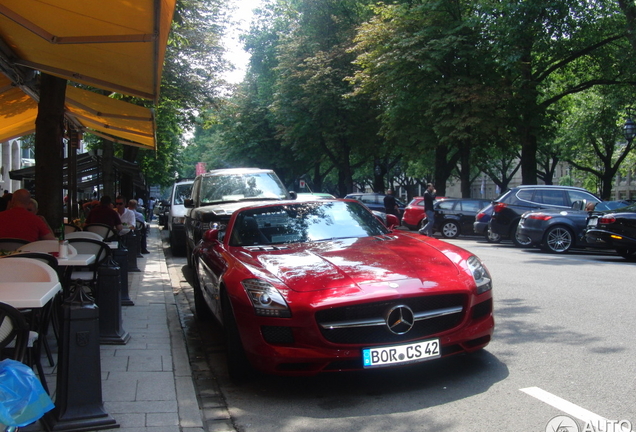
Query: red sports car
x: 306, y: 287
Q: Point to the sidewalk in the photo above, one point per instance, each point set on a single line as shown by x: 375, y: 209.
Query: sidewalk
x: 147, y: 384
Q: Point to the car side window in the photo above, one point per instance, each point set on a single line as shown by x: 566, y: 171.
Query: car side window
x: 471, y: 206
x: 446, y: 205
x: 579, y: 196
x: 550, y: 197
x: 524, y: 195
x: 368, y: 199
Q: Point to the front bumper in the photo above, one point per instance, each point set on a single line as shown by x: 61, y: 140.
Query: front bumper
x: 297, y: 346
x: 601, y: 238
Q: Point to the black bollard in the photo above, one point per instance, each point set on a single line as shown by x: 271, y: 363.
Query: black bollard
x: 78, y: 402
x: 120, y: 256
x: 111, y: 331
x: 133, y: 250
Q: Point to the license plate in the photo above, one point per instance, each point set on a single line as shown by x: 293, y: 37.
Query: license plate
x: 400, y: 354
x: 592, y: 222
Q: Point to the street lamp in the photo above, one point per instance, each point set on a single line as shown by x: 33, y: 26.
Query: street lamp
x: 629, y: 130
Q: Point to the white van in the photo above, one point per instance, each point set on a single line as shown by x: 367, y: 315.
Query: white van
x: 181, y: 190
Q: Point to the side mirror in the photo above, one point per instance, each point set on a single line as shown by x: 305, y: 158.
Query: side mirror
x: 211, y: 235
x: 392, y: 221
x: 293, y: 195
x: 188, y: 203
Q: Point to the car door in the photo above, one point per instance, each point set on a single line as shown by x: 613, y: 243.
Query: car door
x: 466, y: 214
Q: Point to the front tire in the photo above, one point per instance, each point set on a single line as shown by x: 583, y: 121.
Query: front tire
x: 519, y: 240
x: 177, y: 249
x: 238, y: 366
x: 628, y: 254
x: 450, y: 229
x: 201, y: 308
x: 558, y: 239
x: 188, y: 254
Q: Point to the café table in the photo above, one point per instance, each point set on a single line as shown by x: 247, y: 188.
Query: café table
x: 26, y: 295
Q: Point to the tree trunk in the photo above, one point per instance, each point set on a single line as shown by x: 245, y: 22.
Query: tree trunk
x: 49, y: 149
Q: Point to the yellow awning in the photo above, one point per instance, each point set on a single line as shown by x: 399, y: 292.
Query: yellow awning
x: 113, y: 119
x: 17, y: 111
x: 117, y: 45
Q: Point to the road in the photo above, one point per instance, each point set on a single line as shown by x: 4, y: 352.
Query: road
x: 563, y: 345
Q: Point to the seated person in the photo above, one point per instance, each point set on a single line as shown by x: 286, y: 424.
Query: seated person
x: 105, y: 214
x: 33, y: 208
x: 18, y: 222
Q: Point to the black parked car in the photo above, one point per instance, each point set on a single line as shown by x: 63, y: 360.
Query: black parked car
x: 455, y: 216
x: 614, y: 229
x: 557, y: 230
x: 509, y: 207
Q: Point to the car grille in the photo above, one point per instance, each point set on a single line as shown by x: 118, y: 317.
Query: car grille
x: 443, y: 313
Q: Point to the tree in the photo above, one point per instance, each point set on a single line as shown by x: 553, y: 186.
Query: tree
x: 593, y: 135
x: 432, y: 73
x: 548, y: 50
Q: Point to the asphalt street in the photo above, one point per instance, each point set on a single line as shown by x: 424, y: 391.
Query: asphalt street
x: 563, y: 346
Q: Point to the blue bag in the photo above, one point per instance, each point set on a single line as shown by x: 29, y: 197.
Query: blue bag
x: 22, y: 397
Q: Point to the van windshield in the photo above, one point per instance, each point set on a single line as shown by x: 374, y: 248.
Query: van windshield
x: 182, y: 192
x: 240, y: 187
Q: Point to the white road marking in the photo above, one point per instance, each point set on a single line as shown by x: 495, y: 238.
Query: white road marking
x: 565, y: 406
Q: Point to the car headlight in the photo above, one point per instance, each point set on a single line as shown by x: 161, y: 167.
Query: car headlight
x: 266, y: 299
x: 480, y: 274
x: 178, y: 220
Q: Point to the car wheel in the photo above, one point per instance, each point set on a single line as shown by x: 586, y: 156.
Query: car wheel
x: 520, y: 240
x: 450, y: 229
x: 238, y: 366
x: 628, y: 254
x: 201, y: 308
x: 492, y: 237
x: 188, y: 254
x: 558, y: 239
x: 177, y: 249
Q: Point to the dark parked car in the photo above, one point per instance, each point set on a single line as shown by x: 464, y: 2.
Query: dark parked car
x: 480, y: 226
x: 374, y: 201
x: 455, y: 216
x: 558, y: 230
x: 614, y: 229
x: 301, y: 288
x: 414, y: 213
x: 509, y: 207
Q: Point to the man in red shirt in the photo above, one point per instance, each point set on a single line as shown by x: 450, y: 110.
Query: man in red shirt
x: 18, y: 222
x: 105, y: 214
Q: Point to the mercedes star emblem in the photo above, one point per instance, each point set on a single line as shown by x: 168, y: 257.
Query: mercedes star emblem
x: 400, y: 319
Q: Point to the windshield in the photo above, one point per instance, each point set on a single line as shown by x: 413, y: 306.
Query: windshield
x: 244, y: 186
x: 304, y: 222
x: 182, y: 192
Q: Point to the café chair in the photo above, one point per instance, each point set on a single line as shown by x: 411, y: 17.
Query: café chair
x: 88, y: 274
x: 14, y: 333
x: 84, y: 235
x: 20, y: 269
x: 11, y: 244
x: 103, y: 230
x: 70, y: 228
x: 39, y: 319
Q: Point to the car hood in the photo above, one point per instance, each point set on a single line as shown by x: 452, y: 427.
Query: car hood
x: 356, y: 262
